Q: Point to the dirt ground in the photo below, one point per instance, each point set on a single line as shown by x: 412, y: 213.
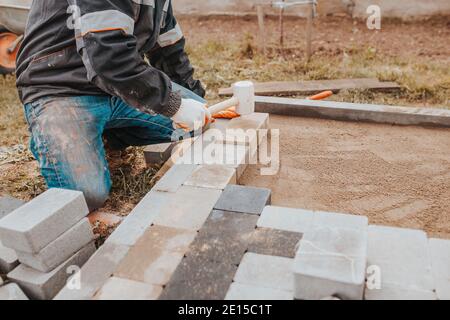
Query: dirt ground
x: 332, y: 35
x: 397, y: 176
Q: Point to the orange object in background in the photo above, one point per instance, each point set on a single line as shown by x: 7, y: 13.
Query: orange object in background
x: 8, y: 50
x: 321, y: 96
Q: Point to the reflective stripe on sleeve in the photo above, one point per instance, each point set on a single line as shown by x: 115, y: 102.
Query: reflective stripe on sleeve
x: 150, y: 3
x: 106, y: 20
x: 170, y: 37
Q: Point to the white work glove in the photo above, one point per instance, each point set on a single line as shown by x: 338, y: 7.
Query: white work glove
x: 192, y: 115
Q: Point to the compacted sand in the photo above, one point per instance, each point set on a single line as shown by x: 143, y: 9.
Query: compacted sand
x: 397, y: 176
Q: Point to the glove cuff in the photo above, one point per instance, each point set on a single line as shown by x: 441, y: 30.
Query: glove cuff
x: 173, y: 104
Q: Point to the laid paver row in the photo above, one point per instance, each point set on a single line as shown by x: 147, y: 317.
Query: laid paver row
x: 180, y: 201
x: 211, y: 261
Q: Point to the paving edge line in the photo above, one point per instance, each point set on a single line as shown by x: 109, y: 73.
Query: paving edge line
x: 427, y: 117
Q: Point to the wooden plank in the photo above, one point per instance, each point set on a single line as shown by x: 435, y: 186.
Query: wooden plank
x: 291, y: 88
x: 354, y: 111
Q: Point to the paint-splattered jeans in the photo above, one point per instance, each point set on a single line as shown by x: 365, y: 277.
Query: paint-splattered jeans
x: 67, y: 139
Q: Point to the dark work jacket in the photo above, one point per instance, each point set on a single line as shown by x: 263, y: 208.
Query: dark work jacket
x: 98, y: 47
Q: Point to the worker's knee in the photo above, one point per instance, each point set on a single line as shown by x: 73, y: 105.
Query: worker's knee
x: 96, y: 197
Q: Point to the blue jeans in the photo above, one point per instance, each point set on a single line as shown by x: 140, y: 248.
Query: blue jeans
x: 67, y: 138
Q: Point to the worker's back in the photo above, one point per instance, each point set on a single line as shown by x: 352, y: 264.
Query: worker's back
x: 49, y: 63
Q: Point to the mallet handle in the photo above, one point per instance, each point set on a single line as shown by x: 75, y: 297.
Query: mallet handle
x: 233, y: 102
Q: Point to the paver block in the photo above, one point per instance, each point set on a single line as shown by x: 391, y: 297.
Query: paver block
x: 340, y: 220
x: 8, y: 259
x: 157, y: 154
x: 331, y: 262
x: 395, y: 293
x: 402, y: 256
x: 240, y: 291
x: 212, y: 176
x: 139, y: 220
x: 197, y: 278
x: 188, y: 208
x: 244, y: 199
x: 123, y: 289
x: 95, y: 272
x: 287, y: 219
x: 299, y: 220
x: 175, y: 177
x: 224, y: 237
x: 61, y: 249
x: 440, y: 261
x: 9, y: 204
x: 255, y: 121
x: 12, y: 291
x: 265, y: 271
x: 272, y: 242
x: 44, y: 286
x: 156, y: 255
x: 37, y: 223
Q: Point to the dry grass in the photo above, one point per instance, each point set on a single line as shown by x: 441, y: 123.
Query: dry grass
x: 426, y: 82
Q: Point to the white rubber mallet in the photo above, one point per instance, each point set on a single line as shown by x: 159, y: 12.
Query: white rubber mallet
x: 243, y: 99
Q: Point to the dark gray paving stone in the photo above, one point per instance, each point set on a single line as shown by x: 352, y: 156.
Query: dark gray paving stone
x: 9, y: 204
x: 224, y: 237
x: 197, y: 278
x: 272, y: 242
x: 244, y: 199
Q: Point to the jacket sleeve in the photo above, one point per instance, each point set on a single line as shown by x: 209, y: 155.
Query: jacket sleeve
x: 104, y: 32
x: 170, y: 56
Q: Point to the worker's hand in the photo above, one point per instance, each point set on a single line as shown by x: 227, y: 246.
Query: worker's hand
x: 192, y: 115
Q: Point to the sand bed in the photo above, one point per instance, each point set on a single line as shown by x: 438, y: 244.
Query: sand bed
x: 397, y: 176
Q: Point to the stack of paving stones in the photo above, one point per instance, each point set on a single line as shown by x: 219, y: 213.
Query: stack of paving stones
x: 8, y: 257
x: 48, y: 235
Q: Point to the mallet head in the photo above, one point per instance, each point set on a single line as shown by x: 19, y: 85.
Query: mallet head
x: 244, y: 92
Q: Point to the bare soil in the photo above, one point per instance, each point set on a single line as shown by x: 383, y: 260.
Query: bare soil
x: 397, y: 176
x: 332, y: 35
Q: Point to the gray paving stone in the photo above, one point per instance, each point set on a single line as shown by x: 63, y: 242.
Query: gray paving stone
x: 139, y: 220
x: 159, y: 153
x: 95, y: 272
x: 44, y: 286
x: 266, y: 272
x: 395, y: 293
x: 331, y: 262
x: 272, y: 242
x: 244, y: 199
x: 175, y: 177
x: 287, y: 219
x: 402, y: 256
x: 60, y: 249
x: 240, y: 291
x: 188, y: 208
x: 123, y: 289
x: 340, y: 220
x: 440, y: 261
x: 156, y: 255
x: 9, y: 204
x: 34, y: 225
x: 8, y: 259
x: 12, y: 291
x: 212, y: 176
x: 199, y: 279
x: 224, y: 237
